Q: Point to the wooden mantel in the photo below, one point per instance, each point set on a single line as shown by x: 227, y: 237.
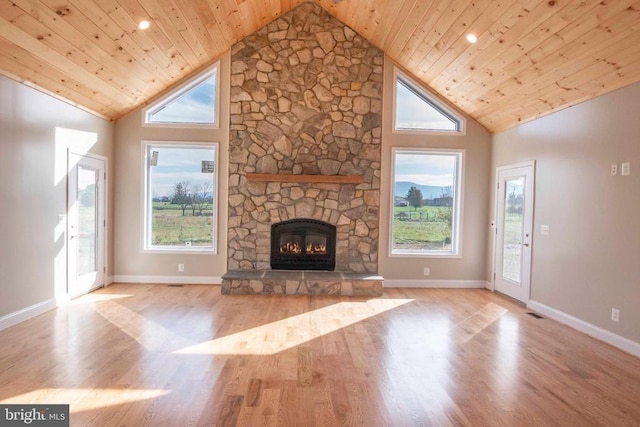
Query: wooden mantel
x: 331, y: 179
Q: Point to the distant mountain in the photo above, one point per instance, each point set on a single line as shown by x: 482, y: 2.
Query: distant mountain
x: 428, y: 191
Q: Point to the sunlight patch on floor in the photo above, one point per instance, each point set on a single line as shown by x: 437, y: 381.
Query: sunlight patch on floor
x: 96, y: 297
x: 293, y: 331
x: 149, y: 334
x: 80, y: 399
x: 478, y: 321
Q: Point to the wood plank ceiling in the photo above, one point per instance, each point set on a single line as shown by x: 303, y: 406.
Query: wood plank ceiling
x: 532, y: 56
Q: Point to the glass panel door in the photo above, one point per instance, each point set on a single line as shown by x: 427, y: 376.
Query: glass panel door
x: 514, y: 225
x: 513, y: 229
x: 86, y: 224
x: 87, y: 233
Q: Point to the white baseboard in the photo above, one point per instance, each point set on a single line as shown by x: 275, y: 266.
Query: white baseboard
x: 597, y: 332
x: 26, y: 313
x: 108, y: 280
x: 488, y: 285
x: 178, y: 280
x: 448, y: 284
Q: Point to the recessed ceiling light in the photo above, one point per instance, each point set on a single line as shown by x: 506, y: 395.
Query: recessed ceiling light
x: 472, y: 38
x: 143, y: 25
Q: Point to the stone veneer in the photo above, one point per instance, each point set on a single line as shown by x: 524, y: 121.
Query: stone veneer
x: 306, y: 98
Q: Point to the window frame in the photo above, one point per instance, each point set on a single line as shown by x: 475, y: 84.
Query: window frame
x: 429, y: 97
x: 456, y: 228
x: 147, y: 199
x: 180, y: 90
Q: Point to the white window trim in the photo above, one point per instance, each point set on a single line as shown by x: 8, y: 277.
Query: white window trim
x: 433, y: 98
x: 146, y: 213
x: 179, y: 90
x: 456, y: 242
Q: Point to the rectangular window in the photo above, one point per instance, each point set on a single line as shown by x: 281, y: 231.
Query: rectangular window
x: 180, y: 196
x: 426, y: 202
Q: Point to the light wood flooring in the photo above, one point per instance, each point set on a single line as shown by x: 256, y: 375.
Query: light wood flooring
x: 154, y: 355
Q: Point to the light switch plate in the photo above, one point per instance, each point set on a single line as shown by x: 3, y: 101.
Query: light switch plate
x: 625, y: 169
x: 544, y: 230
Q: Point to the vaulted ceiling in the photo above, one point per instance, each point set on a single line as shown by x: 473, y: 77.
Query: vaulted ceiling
x: 532, y: 57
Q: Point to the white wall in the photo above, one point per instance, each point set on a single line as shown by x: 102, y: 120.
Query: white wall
x: 471, y: 266
x: 131, y: 264
x: 590, y: 261
x: 35, y: 131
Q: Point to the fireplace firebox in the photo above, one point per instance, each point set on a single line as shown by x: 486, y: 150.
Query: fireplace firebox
x: 303, y: 244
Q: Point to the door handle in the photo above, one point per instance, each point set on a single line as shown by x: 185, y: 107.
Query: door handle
x: 525, y: 244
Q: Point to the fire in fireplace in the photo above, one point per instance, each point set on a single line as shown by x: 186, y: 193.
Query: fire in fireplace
x: 303, y: 244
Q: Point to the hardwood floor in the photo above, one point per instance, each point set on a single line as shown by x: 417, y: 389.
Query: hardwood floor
x: 153, y: 355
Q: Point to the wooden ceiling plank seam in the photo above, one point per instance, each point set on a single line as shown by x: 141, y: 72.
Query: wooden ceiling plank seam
x: 224, y: 25
x: 367, y: 19
x: 134, y: 12
x: 451, y: 40
x: 245, y: 27
x: 226, y: 10
x: 45, y: 25
x: 23, y: 39
x: 630, y: 77
x: 275, y: 8
x: 573, y: 56
x: 187, y: 28
x: 253, y: 14
x: 146, y: 50
x: 510, y: 37
x: 219, y: 33
x: 391, y: 12
x: 440, y: 57
x: 55, y: 95
x: 116, y: 59
x: 153, y: 74
x: 349, y: 12
x: 505, y: 19
x: 213, y: 44
x: 21, y: 65
x: 610, y: 64
x: 565, y: 97
x: 552, y: 43
x: 163, y: 21
x: 406, y: 25
x: 491, y: 76
x: 9, y: 10
x: 437, y: 30
x: 413, y: 30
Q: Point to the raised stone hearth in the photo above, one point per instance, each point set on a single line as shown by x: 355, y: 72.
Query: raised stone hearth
x: 267, y: 282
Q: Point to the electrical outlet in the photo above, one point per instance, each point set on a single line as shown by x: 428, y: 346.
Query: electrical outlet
x: 427, y: 271
x: 614, y: 169
x: 181, y: 268
x: 615, y: 314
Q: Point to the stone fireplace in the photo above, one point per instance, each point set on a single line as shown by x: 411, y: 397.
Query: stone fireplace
x: 306, y: 101
x: 303, y: 244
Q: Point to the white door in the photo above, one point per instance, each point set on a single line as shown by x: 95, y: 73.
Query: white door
x: 514, y: 226
x: 85, y: 224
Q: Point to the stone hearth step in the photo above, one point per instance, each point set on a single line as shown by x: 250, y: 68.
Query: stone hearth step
x: 290, y: 282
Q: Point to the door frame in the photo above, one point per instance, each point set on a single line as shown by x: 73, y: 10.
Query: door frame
x: 495, y: 225
x: 105, y: 228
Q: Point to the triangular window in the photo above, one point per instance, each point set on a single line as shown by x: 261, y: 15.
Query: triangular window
x: 193, y: 103
x: 417, y: 110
